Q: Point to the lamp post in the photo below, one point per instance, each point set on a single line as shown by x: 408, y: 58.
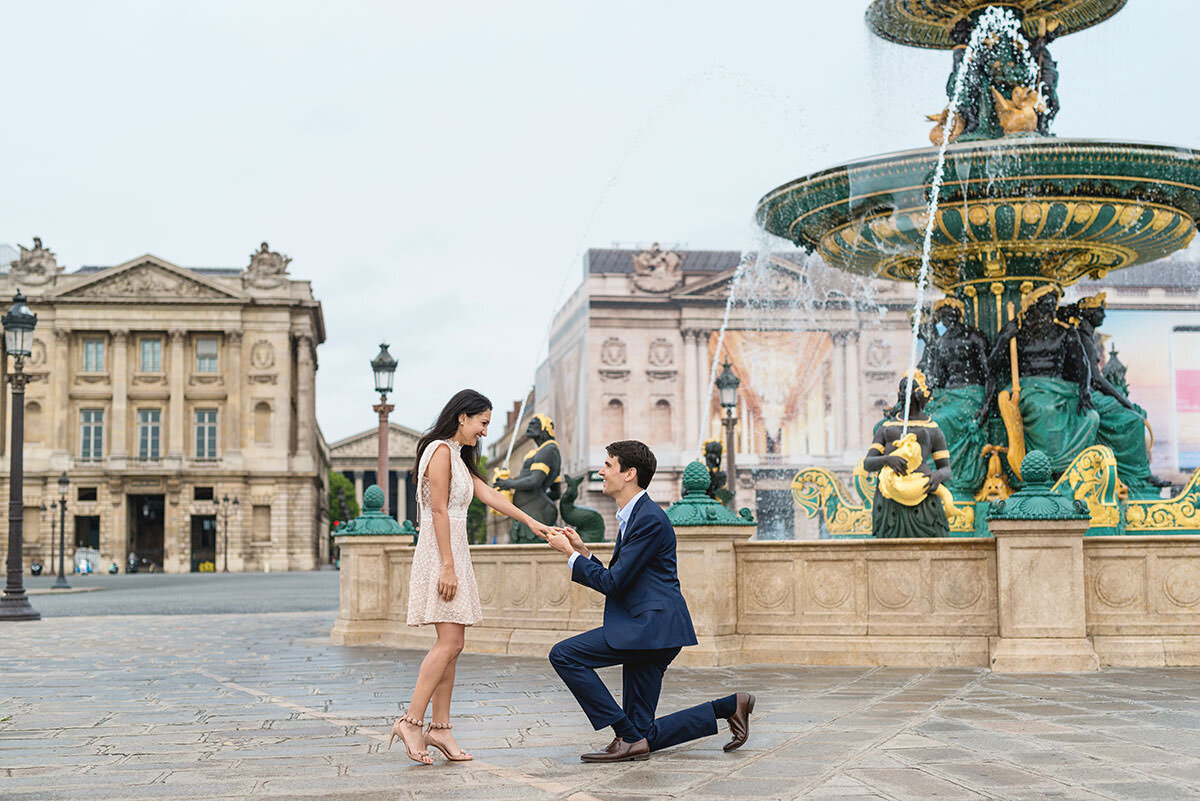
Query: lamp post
x: 226, y: 509
x: 50, y: 509
x: 727, y: 387
x: 63, y: 483
x: 18, y: 324
x: 384, y: 367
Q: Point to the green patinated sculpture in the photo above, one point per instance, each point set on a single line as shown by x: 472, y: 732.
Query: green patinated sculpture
x: 536, y: 487
x: 956, y: 368
x: 718, y: 484
x: 698, y: 508
x: 584, y: 519
x: 1122, y: 422
x: 1037, y: 500
x: 1056, y: 408
x: 374, y: 522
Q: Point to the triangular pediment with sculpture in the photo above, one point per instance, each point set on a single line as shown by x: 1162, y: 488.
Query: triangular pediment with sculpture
x: 402, y: 444
x: 778, y: 279
x: 148, y: 277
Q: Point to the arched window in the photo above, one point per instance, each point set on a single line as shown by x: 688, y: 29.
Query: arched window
x: 262, y: 422
x: 33, y: 422
x: 614, y: 421
x: 660, y: 421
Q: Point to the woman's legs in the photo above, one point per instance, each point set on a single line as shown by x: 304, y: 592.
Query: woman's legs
x: 433, y: 669
x: 441, y: 711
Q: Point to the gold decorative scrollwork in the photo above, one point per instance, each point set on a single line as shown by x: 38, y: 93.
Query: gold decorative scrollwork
x: 1092, y: 478
x: 817, y: 491
x: 1178, y: 514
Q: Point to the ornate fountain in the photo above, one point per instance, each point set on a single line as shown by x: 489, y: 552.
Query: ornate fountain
x: 1020, y: 214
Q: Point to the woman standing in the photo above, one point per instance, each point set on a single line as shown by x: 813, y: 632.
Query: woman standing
x: 442, y: 589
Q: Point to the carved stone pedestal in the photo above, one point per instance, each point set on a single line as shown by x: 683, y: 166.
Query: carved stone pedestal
x: 708, y: 574
x: 1039, y: 573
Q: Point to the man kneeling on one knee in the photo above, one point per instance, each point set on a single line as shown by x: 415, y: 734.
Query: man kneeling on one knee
x: 646, y: 624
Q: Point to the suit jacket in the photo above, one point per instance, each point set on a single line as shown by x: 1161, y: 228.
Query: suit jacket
x: 644, y: 607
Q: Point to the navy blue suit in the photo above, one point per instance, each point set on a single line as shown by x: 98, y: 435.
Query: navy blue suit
x: 646, y: 624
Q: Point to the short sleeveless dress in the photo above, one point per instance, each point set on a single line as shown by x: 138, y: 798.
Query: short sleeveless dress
x: 425, y: 605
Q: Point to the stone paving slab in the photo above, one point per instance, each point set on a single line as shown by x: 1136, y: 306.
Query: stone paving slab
x: 261, y: 705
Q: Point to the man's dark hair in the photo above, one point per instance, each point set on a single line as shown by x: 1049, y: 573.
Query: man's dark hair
x: 631, y: 453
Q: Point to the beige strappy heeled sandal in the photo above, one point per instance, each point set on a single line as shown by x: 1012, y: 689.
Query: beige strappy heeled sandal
x: 461, y: 756
x: 420, y: 757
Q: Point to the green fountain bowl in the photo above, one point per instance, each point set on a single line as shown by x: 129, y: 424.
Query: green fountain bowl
x: 1018, y: 208
x: 927, y: 23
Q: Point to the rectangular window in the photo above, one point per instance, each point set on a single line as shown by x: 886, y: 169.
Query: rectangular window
x: 202, y: 494
x: 91, y: 434
x: 206, y: 355
x: 206, y: 433
x: 93, y: 355
x: 87, y: 493
x: 149, y: 434
x: 151, y: 355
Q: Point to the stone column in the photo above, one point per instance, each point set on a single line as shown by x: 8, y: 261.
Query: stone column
x: 703, y: 368
x: 691, y: 424
x: 179, y: 369
x: 839, y: 392
x: 358, y: 487
x: 234, y: 370
x: 305, y: 405
x: 62, y: 371
x: 1039, y: 572
x: 118, y: 450
x: 855, y: 441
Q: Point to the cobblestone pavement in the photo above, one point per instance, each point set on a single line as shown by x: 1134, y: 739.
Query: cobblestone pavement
x: 260, y: 705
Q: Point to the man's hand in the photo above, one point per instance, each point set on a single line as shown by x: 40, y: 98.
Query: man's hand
x: 544, y: 531
x: 560, y: 543
x: 576, y: 542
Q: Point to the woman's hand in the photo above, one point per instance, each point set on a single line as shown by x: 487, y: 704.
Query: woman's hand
x: 544, y: 531
x: 447, y: 584
x: 897, y: 463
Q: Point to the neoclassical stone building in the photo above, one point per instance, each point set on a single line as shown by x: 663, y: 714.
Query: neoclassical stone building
x: 161, y: 390
x: 357, y: 458
x: 818, y: 354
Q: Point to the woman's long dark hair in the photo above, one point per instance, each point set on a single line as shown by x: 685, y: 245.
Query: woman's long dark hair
x: 465, y: 401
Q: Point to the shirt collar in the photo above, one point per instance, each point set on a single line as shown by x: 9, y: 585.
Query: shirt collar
x: 625, y: 511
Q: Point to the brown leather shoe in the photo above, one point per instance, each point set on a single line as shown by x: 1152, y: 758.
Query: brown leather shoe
x: 608, y: 749
x: 620, y: 752
x: 739, y: 724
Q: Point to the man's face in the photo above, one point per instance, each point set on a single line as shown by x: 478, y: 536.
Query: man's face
x: 615, y: 479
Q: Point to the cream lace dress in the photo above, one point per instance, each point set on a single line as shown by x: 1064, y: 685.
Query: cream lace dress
x: 424, y: 604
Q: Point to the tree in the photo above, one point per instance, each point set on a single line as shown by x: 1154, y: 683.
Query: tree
x: 341, y: 491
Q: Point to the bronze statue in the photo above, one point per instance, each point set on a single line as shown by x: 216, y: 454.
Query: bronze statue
x: 1053, y: 405
x: 584, y: 519
x: 910, y: 500
x: 537, y: 487
x: 1047, y: 70
x: 956, y: 368
x: 1122, y: 422
x: 717, y: 482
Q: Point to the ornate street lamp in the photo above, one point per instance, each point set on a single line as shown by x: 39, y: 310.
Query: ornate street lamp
x: 727, y: 388
x: 18, y: 324
x: 384, y: 367
x: 63, y: 483
x: 227, y: 509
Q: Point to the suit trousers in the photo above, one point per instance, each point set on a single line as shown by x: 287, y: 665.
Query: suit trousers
x: 576, y: 659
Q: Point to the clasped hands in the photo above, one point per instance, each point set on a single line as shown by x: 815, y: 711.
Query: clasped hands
x: 563, y: 539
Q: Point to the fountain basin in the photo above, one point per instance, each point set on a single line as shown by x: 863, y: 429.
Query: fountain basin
x: 1021, y: 207
x: 921, y: 23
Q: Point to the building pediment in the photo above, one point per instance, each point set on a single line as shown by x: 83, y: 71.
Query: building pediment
x: 402, y: 444
x: 777, y: 279
x: 148, y: 277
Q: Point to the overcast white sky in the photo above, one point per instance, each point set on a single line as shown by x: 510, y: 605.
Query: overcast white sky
x: 438, y: 169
